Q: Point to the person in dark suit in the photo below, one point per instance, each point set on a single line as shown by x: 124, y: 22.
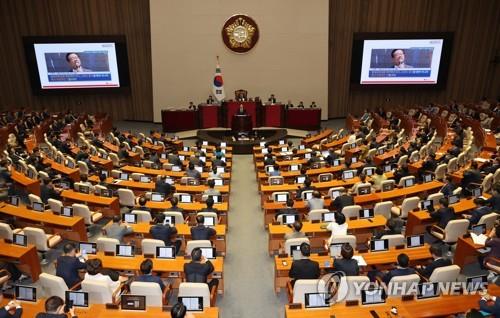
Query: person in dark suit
x: 200, y: 231
x: 142, y: 205
x: 199, y: 268
x: 174, y: 201
x: 47, y: 191
x: 54, y: 308
x: 123, y: 152
x: 394, y: 226
x: 218, y: 162
x: 490, y: 304
x: 493, y: 242
x: 429, y: 164
x: 173, y: 158
x: 161, y: 186
x: 448, y: 188
x: 272, y: 99
x: 147, y: 274
x: 471, y: 175
x: 210, y: 206
x: 346, y: 264
x: 438, y: 261
x: 306, y: 187
x: 269, y: 160
x: 178, y: 311
x: 304, y: 268
x: 11, y: 310
x: 401, y: 270
x: 165, y: 233
x: 332, y: 156
x: 444, y: 214
x: 401, y: 172
x: 241, y: 110
x: 480, y: 210
x: 494, y: 200
x: 210, y: 100
x: 68, y: 265
x: 289, y: 209
x: 341, y: 201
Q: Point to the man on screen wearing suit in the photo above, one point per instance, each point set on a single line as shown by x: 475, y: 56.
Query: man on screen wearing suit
x: 75, y: 63
x: 398, y: 58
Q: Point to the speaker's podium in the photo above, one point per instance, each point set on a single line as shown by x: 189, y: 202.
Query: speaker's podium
x: 241, y: 123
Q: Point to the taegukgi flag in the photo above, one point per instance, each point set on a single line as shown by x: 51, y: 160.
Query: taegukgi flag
x: 218, y: 84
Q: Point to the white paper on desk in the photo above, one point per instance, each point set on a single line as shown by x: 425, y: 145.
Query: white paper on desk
x: 361, y: 261
x: 481, y: 160
x: 478, y: 239
x: 286, y: 153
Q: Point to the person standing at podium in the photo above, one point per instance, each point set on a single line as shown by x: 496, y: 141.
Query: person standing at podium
x: 241, y: 110
x: 272, y: 99
x: 210, y: 100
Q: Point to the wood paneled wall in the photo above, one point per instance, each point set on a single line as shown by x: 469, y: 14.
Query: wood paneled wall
x: 77, y: 17
x: 472, y: 73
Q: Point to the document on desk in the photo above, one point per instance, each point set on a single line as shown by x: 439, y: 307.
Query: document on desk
x: 478, y: 239
x: 361, y: 261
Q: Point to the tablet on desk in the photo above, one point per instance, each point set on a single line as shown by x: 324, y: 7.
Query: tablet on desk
x: 317, y: 300
x: 281, y: 197
x: 209, y: 220
x: 427, y: 177
x: 294, y: 167
x: 346, y: 175
x: 20, y: 239
x: 477, y: 283
x: 14, y: 200
x: 295, y: 252
x: 25, y: 293
x: 409, y: 182
x: 125, y: 250
x: 300, y: 179
x: 452, y: 199
x: 478, y: 229
x: 415, y: 241
x: 328, y: 217
x: 366, y: 213
x: 129, y: 218
x: 38, y: 206
x: 165, y: 252
x: 185, y: 198
x: 336, y: 249
x: 427, y: 205
x: 369, y: 171
x: 170, y: 220
x: 145, y: 179
x: 79, y: 299
x: 192, y: 303
x: 133, y: 302
x: 157, y: 197
x: 67, y: 211
x: 208, y: 252
x: 336, y: 162
x: 379, y: 245
x: 124, y: 176
x: 428, y: 290
x: 87, y: 248
x: 290, y: 218
x: 373, y: 296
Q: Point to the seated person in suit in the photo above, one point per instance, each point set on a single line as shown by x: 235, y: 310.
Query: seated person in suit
x: 69, y: 265
x: 490, y: 304
x: 306, y: 187
x: 444, y: 214
x: 438, y: 261
x: 304, y: 268
x: 142, y: 204
x: 241, y: 110
x: 199, y: 268
x: 493, y: 242
x: 401, y: 172
x: 117, y: 229
x: 192, y: 172
x: 210, y: 206
x: 123, y: 152
x: 394, y: 226
x: 214, y: 173
x: 54, y: 308
x: 429, y: 164
x: 48, y: 191
x: 147, y: 274
x: 314, y: 158
x: 161, y: 186
x: 289, y: 209
x: 494, y: 200
x: 288, y: 104
x: 13, y: 309
x: 175, y: 201
x: 200, y: 231
x: 296, y: 227
x: 269, y: 160
x: 211, y: 188
x: 339, y: 227
x: 378, y: 178
x: 341, y: 202
x: 218, y: 162
x: 449, y: 187
x: 331, y: 156
x: 361, y: 182
x: 95, y: 272
x: 481, y: 210
x: 346, y: 264
x: 402, y: 269
x: 272, y: 99
x: 210, y: 100
x: 173, y: 158
x: 102, y: 180
x: 316, y: 202
x: 471, y: 175
x: 165, y: 233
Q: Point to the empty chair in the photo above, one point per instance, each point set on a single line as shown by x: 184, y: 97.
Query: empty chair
x: 401, y: 285
x: 423, y: 151
x: 487, y: 183
x: 43, y: 242
x: 452, y: 165
x: 415, y: 156
x: 440, y: 171
x: 303, y: 287
x: 55, y: 205
x: 350, y: 286
x: 402, y: 160
x: 199, y: 290
x: 6, y: 232
x: 371, y: 153
x: 325, y: 177
x: 457, y: 191
x: 408, y: 205
x: 385, y: 183
x: 435, y: 197
x: 84, y: 169
x: 139, y: 150
x: 394, y: 239
x: 114, y: 159
x: 191, y: 245
x: 489, y: 220
x: 351, y: 211
x: 53, y: 285
x: 178, y: 217
x: 137, y: 176
x: 100, y: 292
x: 294, y: 242
x: 34, y: 198
x: 149, y: 246
x: 126, y: 197
x: 155, y: 297
x: 445, y: 274
x: 341, y: 239
x: 142, y: 216
x: 453, y: 230
x: 105, y: 244
x: 147, y: 163
x: 403, y: 180
x: 115, y: 174
x: 383, y: 208
x: 317, y: 214
x: 88, y: 216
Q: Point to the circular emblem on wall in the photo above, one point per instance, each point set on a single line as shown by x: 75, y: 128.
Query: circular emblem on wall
x: 240, y: 33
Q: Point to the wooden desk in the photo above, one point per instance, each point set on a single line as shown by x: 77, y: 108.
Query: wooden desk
x: 91, y: 199
x: 318, y: 137
x: 30, y: 309
x: 156, y: 172
x: 73, y: 174
x: 184, y: 231
x: 416, y: 255
x: 189, y: 207
x: 174, y: 268
x: 133, y: 155
x: 31, y: 185
x: 24, y: 255
x: 342, y: 311
x: 317, y: 234
x: 72, y: 228
x: 466, y: 252
x: 336, y: 143
x: 410, y: 191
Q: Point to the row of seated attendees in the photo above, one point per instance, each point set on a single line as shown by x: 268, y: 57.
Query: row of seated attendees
x: 371, y: 163
x: 92, y: 164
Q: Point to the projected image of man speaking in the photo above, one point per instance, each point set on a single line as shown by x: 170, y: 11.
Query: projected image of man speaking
x: 398, y: 59
x: 75, y: 63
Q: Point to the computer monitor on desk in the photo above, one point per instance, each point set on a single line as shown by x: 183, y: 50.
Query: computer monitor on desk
x: 379, y: 245
x: 165, y: 252
x: 125, y: 250
x: 192, y: 303
x: 25, y: 293
x: 133, y: 302
x: 317, y: 300
x: 290, y: 218
x: 77, y: 298
x: 415, y: 241
x: 373, y: 296
x: 208, y: 252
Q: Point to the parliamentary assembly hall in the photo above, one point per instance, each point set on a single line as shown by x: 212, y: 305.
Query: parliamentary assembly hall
x: 250, y: 159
